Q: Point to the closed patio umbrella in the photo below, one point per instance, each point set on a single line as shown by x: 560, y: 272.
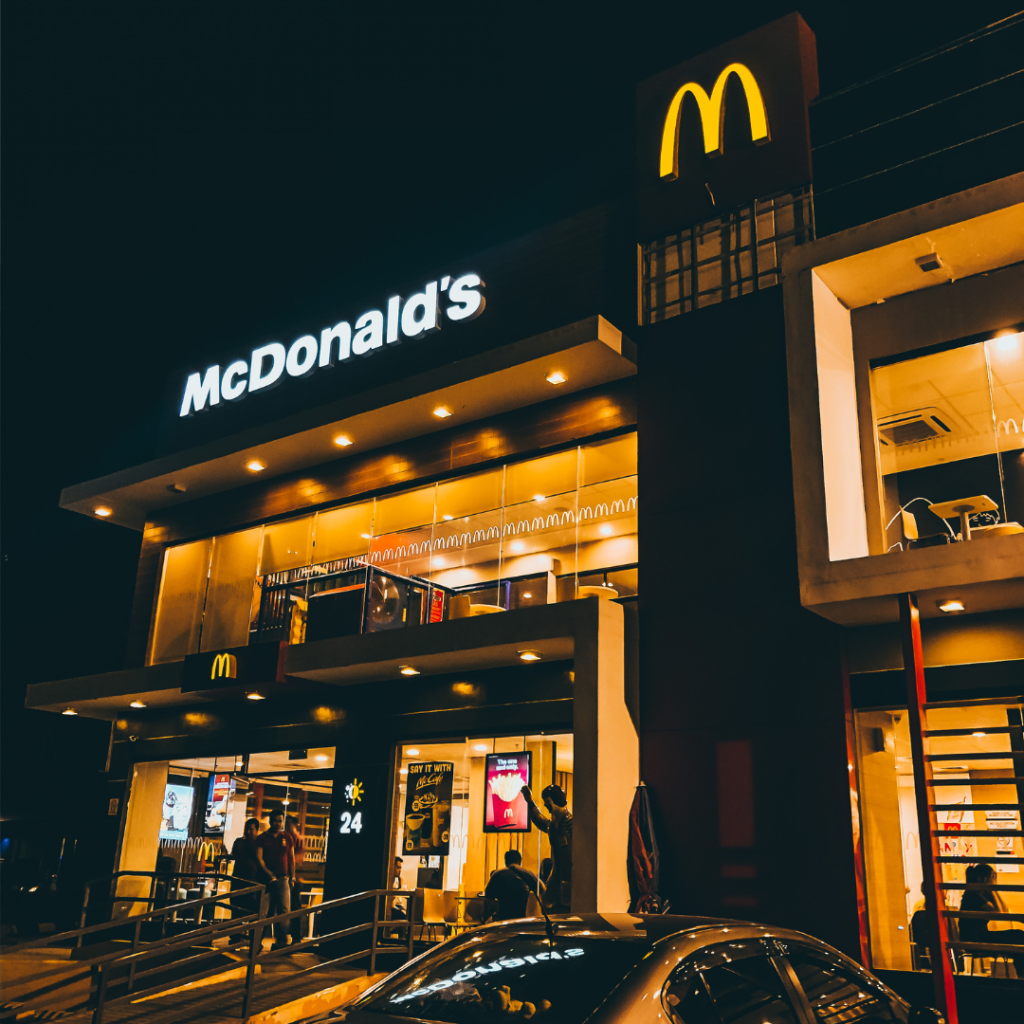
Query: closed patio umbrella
x: 643, y: 864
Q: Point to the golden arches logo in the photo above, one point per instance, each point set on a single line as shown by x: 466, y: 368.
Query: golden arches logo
x: 712, y: 116
x: 224, y: 665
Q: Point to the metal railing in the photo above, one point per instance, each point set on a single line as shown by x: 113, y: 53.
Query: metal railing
x: 117, y: 974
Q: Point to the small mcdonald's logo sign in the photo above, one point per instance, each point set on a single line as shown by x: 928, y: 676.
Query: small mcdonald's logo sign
x: 224, y: 666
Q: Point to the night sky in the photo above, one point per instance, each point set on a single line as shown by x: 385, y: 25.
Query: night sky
x: 178, y: 178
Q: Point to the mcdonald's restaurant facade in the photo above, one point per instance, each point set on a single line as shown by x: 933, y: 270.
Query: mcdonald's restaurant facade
x: 402, y: 543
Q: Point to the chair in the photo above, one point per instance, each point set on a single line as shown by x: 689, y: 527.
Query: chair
x: 433, y: 912
x: 451, y: 908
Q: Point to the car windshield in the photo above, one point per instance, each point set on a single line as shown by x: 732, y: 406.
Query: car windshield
x: 490, y: 977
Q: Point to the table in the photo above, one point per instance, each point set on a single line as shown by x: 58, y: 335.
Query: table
x: 964, y: 507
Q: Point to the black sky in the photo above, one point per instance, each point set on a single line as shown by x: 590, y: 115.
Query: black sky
x: 176, y: 177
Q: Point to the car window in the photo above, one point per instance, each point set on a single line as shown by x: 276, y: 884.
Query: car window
x: 731, y: 983
x: 491, y: 977
x: 840, y: 992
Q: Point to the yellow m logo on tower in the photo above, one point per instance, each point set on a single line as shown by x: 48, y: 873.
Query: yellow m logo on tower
x: 224, y: 665
x: 712, y: 116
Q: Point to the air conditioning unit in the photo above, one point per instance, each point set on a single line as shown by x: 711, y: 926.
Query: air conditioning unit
x: 915, y: 426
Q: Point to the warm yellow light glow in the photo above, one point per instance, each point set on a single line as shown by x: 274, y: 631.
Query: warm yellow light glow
x: 527, y: 595
x: 1008, y: 342
x: 255, y: 696
x: 539, y: 497
x: 137, y: 704
x: 517, y: 545
x: 408, y: 670
x: 951, y: 606
x: 529, y: 656
x: 556, y: 378
x: 343, y: 440
x: 977, y: 734
x: 413, y: 752
x: 712, y: 116
x: 404, y: 771
x: 103, y: 510
x: 69, y: 711
x: 255, y: 466
x: 447, y: 518
x: 322, y: 757
x: 442, y: 412
x: 481, y: 747
x: 365, y: 536
x: 606, y: 530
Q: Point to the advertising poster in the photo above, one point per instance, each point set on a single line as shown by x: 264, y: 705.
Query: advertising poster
x: 219, y: 804
x: 505, y: 807
x: 428, y: 808
x: 177, y: 812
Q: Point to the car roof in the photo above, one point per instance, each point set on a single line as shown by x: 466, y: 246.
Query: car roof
x: 650, y: 926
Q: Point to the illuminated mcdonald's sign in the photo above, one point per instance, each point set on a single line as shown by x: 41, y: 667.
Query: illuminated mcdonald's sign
x: 224, y: 665
x: 712, y: 116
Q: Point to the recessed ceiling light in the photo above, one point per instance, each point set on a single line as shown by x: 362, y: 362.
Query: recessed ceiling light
x: 322, y: 757
x: 529, y: 656
x: 538, y: 497
x: 137, y: 704
x: 413, y: 752
x: 403, y: 771
x: 556, y: 378
x: 527, y: 596
x: 606, y: 530
x: 103, y: 510
x: 285, y: 802
x: 1008, y: 342
x: 343, y: 440
x: 951, y: 606
x: 517, y: 545
x: 255, y: 696
x: 408, y: 670
x: 977, y: 734
x: 255, y: 466
x: 442, y: 412
x: 447, y: 517
x: 365, y: 536
x: 481, y: 747
x: 69, y: 711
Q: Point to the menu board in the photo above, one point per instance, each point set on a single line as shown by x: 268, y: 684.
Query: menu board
x: 177, y: 811
x: 428, y: 808
x: 219, y: 805
x: 505, y: 807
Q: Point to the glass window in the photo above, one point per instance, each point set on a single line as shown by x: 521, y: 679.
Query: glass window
x: 343, y: 532
x: 742, y: 982
x: 608, y: 460
x: 538, y: 478
x: 840, y: 992
x: 608, y: 524
x: 688, y: 1002
x: 467, y: 495
x: 229, y: 597
x: 950, y: 431
x: 402, y: 511
x: 179, y: 610
x: 287, y: 545
x: 488, y: 978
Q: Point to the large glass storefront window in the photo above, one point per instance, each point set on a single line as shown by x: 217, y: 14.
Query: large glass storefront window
x: 184, y: 817
x: 555, y: 528
x: 973, y: 751
x: 457, y: 810
x: 950, y: 434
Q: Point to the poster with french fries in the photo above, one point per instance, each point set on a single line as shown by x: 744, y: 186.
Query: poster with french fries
x: 505, y: 808
x: 428, y: 808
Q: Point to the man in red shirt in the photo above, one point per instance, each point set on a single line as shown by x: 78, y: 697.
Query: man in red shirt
x: 275, y: 849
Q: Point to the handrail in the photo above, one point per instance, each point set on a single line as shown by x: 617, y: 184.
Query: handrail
x: 254, y: 927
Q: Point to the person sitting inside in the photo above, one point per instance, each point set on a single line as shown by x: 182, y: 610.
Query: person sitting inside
x: 511, y: 887
x: 977, y: 929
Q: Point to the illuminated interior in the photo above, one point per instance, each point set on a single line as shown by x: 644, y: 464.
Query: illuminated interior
x: 555, y: 528
x: 950, y: 426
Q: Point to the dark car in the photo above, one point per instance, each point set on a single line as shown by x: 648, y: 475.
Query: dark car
x: 605, y: 968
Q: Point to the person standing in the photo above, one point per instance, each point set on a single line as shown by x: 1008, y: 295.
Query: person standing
x: 511, y: 887
x: 276, y: 856
x: 558, y: 825
x: 247, y: 872
x: 291, y: 825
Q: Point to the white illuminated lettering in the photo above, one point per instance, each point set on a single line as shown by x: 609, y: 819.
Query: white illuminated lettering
x: 200, y: 391
x: 302, y: 356
x: 230, y: 388
x: 469, y: 303
x: 369, y: 332
x: 393, y: 303
x: 343, y: 333
x: 257, y: 378
x: 464, y: 976
x: 420, y: 315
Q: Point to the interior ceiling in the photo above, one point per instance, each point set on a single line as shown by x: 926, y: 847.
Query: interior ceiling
x: 985, y: 717
x: 459, y: 750
x: 970, y: 247
x: 271, y: 761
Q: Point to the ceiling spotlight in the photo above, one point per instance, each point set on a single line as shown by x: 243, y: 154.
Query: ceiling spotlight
x: 527, y: 596
x: 255, y: 466
x: 408, y: 670
x: 538, y: 497
x: 343, y: 440
x: 447, y: 518
x: 481, y: 747
x: 69, y: 711
x: 103, y: 510
x: 978, y: 734
x: 606, y: 530
x: 951, y: 606
x: 413, y: 752
x: 529, y: 655
x: 403, y: 771
x: 929, y: 262
x: 255, y: 696
x: 556, y: 378
x: 442, y: 412
x: 322, y: 757
x: 137, y: 704
x: 517, y: 545
x: 365, y: 536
